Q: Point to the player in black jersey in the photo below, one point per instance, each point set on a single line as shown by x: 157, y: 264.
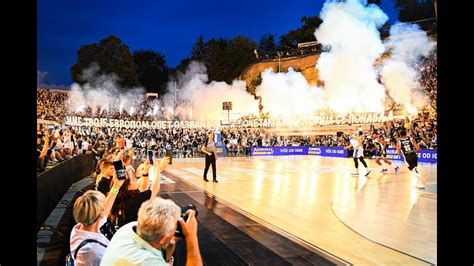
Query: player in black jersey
x: 382, y: 156
x: 408, y: 148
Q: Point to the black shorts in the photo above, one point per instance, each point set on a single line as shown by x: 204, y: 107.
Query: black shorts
x: 412, y: 160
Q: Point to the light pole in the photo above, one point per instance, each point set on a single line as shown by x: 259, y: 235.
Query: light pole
x: 278, y: 60
x: 175, y: 94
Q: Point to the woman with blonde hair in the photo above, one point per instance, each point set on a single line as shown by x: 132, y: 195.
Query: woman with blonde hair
x: 90, y: 212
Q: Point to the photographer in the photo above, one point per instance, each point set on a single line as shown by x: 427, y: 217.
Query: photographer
x: 145, y: 241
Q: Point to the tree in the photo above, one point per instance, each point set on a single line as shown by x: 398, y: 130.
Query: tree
x: 112, y: 56
x: 305, y: 33
x: 267, y: 45
x: 183, y: 64
x: 152, y: 71
x: 239, y: 55
x: 412, y: 10
x: 199, y: 50
x: 225, y: 59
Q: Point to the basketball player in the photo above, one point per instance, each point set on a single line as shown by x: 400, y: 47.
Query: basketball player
x: 382, y: 153
x: 408, y: 148
x: 356, y: 142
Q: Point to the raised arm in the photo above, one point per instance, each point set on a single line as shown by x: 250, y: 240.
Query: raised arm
x: 109, y: 202
x: 45, y: 149
x: 193, y: 255
x: 144, y: 180
x: 158, y: 167
x: 417, y: 147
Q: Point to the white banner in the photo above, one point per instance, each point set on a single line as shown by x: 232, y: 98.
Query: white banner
x: 325, y: 120
x: 132, y: 124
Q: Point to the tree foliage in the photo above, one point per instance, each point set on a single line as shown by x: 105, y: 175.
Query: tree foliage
x: 152, y: 71
x: 112, y: 56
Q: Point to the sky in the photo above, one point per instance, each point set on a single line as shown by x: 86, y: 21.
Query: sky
x: 168, y: 27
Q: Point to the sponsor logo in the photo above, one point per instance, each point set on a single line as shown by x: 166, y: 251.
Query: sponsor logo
x: 313, y: 150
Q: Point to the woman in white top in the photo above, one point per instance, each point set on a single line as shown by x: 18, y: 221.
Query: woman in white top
x: 90, y: 212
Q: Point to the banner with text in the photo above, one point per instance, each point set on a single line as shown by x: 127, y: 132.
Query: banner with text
x: 318, y: 120
x: 328, y: 151
x: 424, y: 156
x: 132, y: 124
x: 427, y: 156
x: 277, y: 151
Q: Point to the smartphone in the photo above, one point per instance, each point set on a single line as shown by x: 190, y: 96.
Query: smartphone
x: 150, y: 155
x: 119, y: 169
x: 169, y: 153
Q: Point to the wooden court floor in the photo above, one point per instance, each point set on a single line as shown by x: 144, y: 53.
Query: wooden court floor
x: 374, y: 220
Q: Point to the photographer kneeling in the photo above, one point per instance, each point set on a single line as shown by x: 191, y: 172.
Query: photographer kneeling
x: 142, y: 242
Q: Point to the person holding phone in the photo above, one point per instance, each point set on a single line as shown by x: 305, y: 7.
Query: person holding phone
x: 209, y: 149
x: 133, y: 193
x: 90, y: 212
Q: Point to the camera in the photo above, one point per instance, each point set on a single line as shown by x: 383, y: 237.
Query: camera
x: 179, y: 231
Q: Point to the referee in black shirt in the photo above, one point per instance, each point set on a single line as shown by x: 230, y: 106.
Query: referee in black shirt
x: 209, y: 149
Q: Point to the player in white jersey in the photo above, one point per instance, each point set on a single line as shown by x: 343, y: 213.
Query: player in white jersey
x: 356, y: 142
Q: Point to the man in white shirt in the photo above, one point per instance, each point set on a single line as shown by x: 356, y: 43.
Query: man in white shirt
x: 84, y: 146
x: 142, y: 242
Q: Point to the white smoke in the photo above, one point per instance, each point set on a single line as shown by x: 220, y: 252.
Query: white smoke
x: 198, y: 100
x: 349, y: 29
x: 102, y: 94
x: 407, y: 44
x: 288, y: 94
x: 40, y: 77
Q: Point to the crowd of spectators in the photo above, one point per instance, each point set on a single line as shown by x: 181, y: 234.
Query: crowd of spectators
x: 428, y: 76
x: 289, y: 52
x: 59, y: 143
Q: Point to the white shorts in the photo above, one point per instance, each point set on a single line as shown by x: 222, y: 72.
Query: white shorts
x: 359, y: 152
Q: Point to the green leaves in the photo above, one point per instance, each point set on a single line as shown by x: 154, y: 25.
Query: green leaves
x: 112, y: 56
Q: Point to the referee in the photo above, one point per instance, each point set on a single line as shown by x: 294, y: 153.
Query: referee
x: 209, y: 149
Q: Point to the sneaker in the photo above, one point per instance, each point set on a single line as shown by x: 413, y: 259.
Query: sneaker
x: 420, y: 186
x: 368, y: 172
x: 215, y: 181
x: 383, y: 170
x: 396, y: 169
x: 205, y: 179
x: 354, y: 173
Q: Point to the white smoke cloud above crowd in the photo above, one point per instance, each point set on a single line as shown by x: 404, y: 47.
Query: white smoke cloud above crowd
x: 408, y: 43
x: 102, y: 94
x: 351, y: 81
x: 199, y: 100
x: 40, y: 77
x: 288, y: 94
x: 349, y: 29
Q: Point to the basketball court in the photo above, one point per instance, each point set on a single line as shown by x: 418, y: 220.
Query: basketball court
x: 316, y: 202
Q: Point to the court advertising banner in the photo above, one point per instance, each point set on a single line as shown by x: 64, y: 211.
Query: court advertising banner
x: 427, y: 156
x: 328, y: 151
x: 277, y: 151
x: 424, y: 156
